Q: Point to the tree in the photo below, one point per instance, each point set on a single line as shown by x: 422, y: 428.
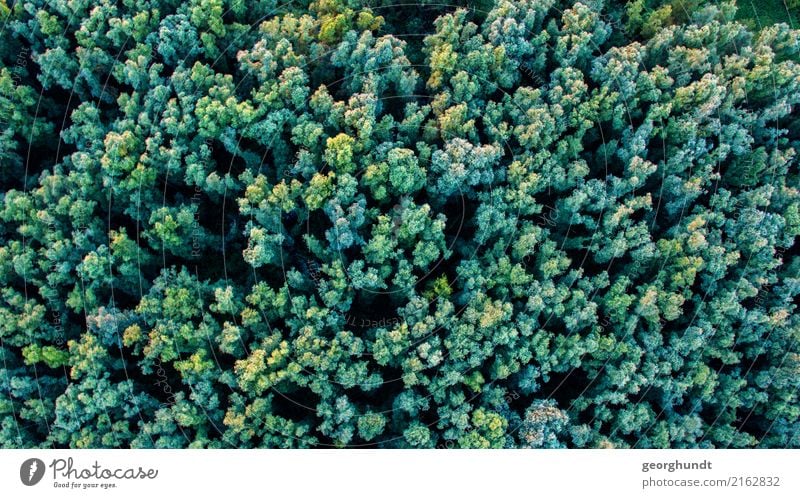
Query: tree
x: 538, y: 224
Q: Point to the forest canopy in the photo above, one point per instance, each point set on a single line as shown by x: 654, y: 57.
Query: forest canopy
x: 341, y: 223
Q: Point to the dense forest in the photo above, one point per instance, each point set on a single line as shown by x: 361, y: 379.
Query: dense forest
x: 375, y: 223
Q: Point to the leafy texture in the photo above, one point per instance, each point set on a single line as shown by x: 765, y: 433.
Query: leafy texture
x: 542, y: 224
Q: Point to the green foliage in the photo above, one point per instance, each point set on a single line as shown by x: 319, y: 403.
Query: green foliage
x: 542, y: 224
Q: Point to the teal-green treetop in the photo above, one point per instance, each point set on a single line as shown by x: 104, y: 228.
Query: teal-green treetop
x: 529, y: 223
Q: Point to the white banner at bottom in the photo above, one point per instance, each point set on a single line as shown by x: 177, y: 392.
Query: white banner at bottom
x: 401, y: 473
